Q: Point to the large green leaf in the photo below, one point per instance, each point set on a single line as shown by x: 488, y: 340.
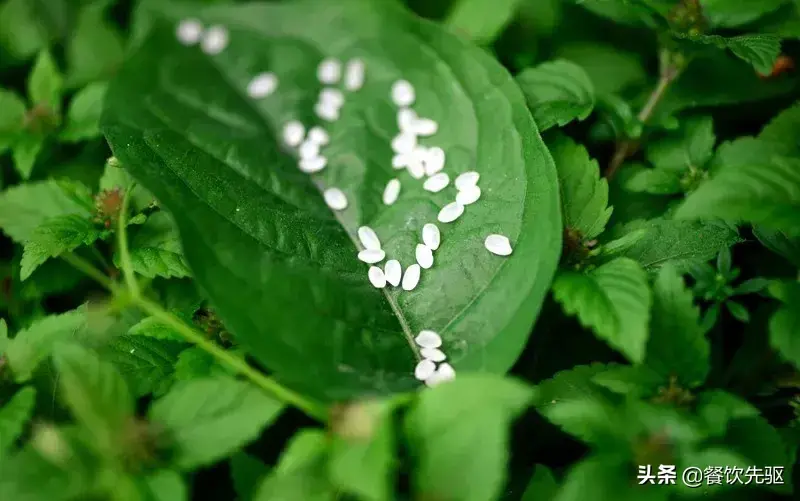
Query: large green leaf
x: 14, y: 415
x: 278, y: 266
x: 55, y: 237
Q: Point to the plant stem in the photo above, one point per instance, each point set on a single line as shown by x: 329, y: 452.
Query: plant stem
x: 87, y: 268
x: 122, y: 245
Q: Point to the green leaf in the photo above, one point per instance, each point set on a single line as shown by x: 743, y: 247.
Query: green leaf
x: 45, y: 83
x: 153, y: 327
x: 557, y: 92
x: 732, y: 13
x: 781, y: 133
x: 767, y: 193
x: 759, y: 50
x: 677, y: 345
x: 195, y: 363
x: 613, y: 300
x: 147, y: 364
x: 464, y: 459
x: 14, y: 415
x: 95, y: 393
x: 624, y: 12
x: 584, y: 194
x: 116, y: 177
x: 785, y: 323
x: 607, y: 477
x: 95, y: 49
x: 655, y: 182
x: 680, y: 243
x: 27, y: 27
x: 542, y: 487
x: 482, y: 25
x: 692, y: 146
x: 211, y: 418
x: 760, y: 443
x: 3, y: 336
x: 155, y: 249
x: 12, y: 118
x: 610, y: 69
x: 83, y: 115
x: 33, y: 345
x: 780, y: 243
x: 264, y: 237
x: 25, y: 151
x: 25, y: 207
x: 301, y: 472
x: 246, y: 473
x: 717, y: 408
x: 631, y: 380
x: 166, y: 485
x: 55, y: 237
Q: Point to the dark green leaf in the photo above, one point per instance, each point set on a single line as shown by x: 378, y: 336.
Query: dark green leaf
x: 751, y: 286
x: 14, y: 415
x: 780, y: 243
x: 607, y: 477
x: 613, y: 300
x: 194, y: 363
x: 692, y: 146
x: 95, y: 49
x: 155, y: 249
x: 55, y: 237
x: 83, y: 115
x: 781, y: 133
x: 45, y: 83
x: 717, y: 408
x: 784, y: 325
x: 732, y: 13
x: 472, y: 18
x: 610, y: 69
x: 625, y: 12
x: 246, y: 473
x: 211, y: 418
x: 619, y: 246
x: 542, y: 487
x: 761, y: 444
x: 464, y: 459
x: 655, y: 182
x: 12, y: 116
x: 301, y: 472
x: 264, y: 237
x: 557, y: 92
x: 631, y: 380
x: 166, y: 485
x: 147, y: 364
x: 759, y: 50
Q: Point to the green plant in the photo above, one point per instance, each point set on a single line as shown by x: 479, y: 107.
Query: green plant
x: 185, y: 318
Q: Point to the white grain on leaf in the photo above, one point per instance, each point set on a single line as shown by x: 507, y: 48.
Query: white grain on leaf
x: 329, y: 71
x: 434, y: 160
x: 468, y: 195
x: 371, y: 256
x: 215, y: 40
x: 318, y: 135
x: 393, y: 272
x: 411, y: 277
x: 262, y: 85
x: 424, y: 370
x: 436, y: 183
x: 354, y: 75
x: 293, y: 133
x: 308, y: 149
x: 391, y: 192
x: 335, y: 198
x: 369, y: 239
x: 451, y: 212
x: 431, y: 236
x: 406, y: 118
x: 312, y: 165
x: 404, y: 142
x: 467, y: 179
x: 189, y: 31
x: 433, y: 354
x: 403, y: 93
x: 376, y: 277
x: 425, y: 127
x: 498, y: 244
x: 424, y: 256
x: 428, y: 339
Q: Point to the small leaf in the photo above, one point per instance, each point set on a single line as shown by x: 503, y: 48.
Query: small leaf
x: 55, y: 237
x: 166, y: 485
x: 692, y: 146
x: 45, y: 83
x: 784, y: 325
x: 781, y: 133
x: 14, y: 415
x: 155, y: 249
x: 751, y: 286
x: 12, y: 117
x: 25, y: 151
x: 464, y: 459
x: 147, y: 364
x: 116, y: 177
x: 472, y: 19
x: 152, y: 327
x: 724, y: 260
x: 95, y: 49
x: 655, y: 182
x: 677, y: 345
x: 613, y: 300
x: 301, y: 472
x: 759, y: 50
x: 83, y: 115
x: 196, y: 363
x: 610, y: 69
x: 27, y: 27
x: 211, y: 418
x: 760, y: 443
x: 738, y: 311
x: 632, y: 380
x: 246, y: 472
x: 95, y: 393
x: 730, y: 14
x: 717, y: 408
x: 619, y: 246
x: 584, y: 194
x: 780, y: 243
x: 557, y: 92
x: 542, y: 486
x: 607, y: 477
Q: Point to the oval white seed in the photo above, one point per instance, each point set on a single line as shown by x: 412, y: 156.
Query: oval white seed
x: 391, y: 192
x: 467, y: 179
x: 425, y: 127
x: 433, y: 354
x: 335, y: 198
x: 327, y: 111
x: 215, y: 40
x: 498, y: 244
x: 434, y: 160
x: 393, y: 272
x: 424, y: 256
x: 436, y: 183
x: 329, y: 71
x: 404, y: 142
x: 262, y: 85
x: 189, y: 31
x: 331, y: 97
x: 308, y: 149
x: 468, y: 195
x: 354, y: 75
x: 369, y: 239
x: 403, y: 93
x: 415, y: 168
x: 376, y: 277
x: 400, y: 160
x: 451, y: 212
x: 443, y: 374
x: 293, y: 133
x: 371, y: 256
x: 424, y: 370
x: 406, y: 118
x: 411, y: 277
x: 431, y: 236
x: 318, y: 135
x: 312, y: 165
x: 428, y: 339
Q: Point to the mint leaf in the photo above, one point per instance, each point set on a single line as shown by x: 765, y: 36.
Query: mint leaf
x: 246, y: 473
x: 584, y: 194
x: 233, y: 215
x: 33, y: 345
x: 155, y: 328
x: 14, y: 415
x: 472, y: 19
x: 677, y: 345
x: 45, y: 83
x: 610, y: 69
x: 766, y: 193
x: 729, y: 14
x: 557, y: 92
x: 781, y: 133
x: 12, y: 117
x: 25, y: 151
x: 83, y: 115
x: 55, y: 237
x: 759, y: 50
x: 784, y: 324
x: 692, y: 146
x: 301, y: 472
x: 449, y: 448
x: 613, y: 300
x: 95, y: 393
x: 25, y: 207
x: 156, y: 249
x: 95, y: 49
x: 211, y: 418
x: 542, y: 486
x: 779, y: 243
x: 147, y: 364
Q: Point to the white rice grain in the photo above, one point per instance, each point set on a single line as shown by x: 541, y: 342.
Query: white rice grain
x: 354, y: 75
x: 376, y: 277
x: 467, y: 179
x: 451, y: 212
x: 391, y: 192
x: 293, y: 133
x: 369, y: 239
x: 332, y: 97
x: 329, y: 71
x: 436, y: 183
x: 405, y: 142
x: 403, y: 94
x: 215, y: 40
x: 406, y: 118
x: 327, y: 111
x: 499, y: 245
x: 189, y: 32
x: 318, y: 135
x: 312, y: 165
x: 424, y: 256
x: 262, y: 85
x: 428, y: 339
x: 308, y: 149
x: 425, y: 127
x: 468, y: 195
x: 411, y: 277
x: 424, y: 370
x: 371, y: 256
x: 431, y: 236
x: 335, y: 198
x: 433, y: 354
x: 393, y: 272
x: 434, y: 160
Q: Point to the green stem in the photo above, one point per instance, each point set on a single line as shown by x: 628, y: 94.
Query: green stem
x: 122, y: 245
x: 87, y: 268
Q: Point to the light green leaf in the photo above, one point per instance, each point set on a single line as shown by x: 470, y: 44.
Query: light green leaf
x: 156, y: 249
x: 780, y: 243
x: 14, y: 415
x: 147, y: 364
x: 542, y: 487
x: 211, y: 418
x: 624, y: 11
x: 607, y: 477
x: 613, y: 300
x: 732, y: 13
x: 464, y: 459
x: 610, y: 69
x: 12, y: 118
x: 557, y: 92
x: 195, y: 363
x: 677, y: 345
x: 24, y: 152
x: 781, y: 133
x: 166, y: 485
x: 45, y: 83
x: 33, y: 345
x: 480, y: 22
x: 27, y: 27
x: 655, y: 182
x: 766, y: 193
x: 152, y: 327
x: 95, y: 49
x: 759, y: 50
x: 3, y: 336
x: 691, y: 146
x: 584, y: 194
x: 632, y: 380
x: 246, y: 473
x: 95, y: 393
x: 55, y: 237
x: 264, y: 237
x: 83, y: 115
x: 301, y: 472
x: 784, y: 326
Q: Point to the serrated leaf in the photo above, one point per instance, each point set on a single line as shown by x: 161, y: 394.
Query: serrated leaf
x: 584, y: 194
x: 45, y: 83
x: 542, y: 486
x: 155, y: 249
x: 12, y: 116
x: 464, y: 459
x: 95, y: 49
x: 759, y: 50
x: 613, y: 300
x: 655, y: 182
x: 610, y: 69
x: 677, y: 345
x: 733, y: 13
x: 766, y: 193
x: 166, y: 485
x: 692, y: 146
x: 264, y: 236
x: 482, y: 25
x: 246, y: 473
x: 83, y: 114
x: 55, y: 237
x: 211, y: 418
x: 301, y: 472
x: 780, y: 243
x: 153, y: 327
x: 557, y: 93
x: 95, y: 393
x: 632, y: 380
x: 33, y: 345
x: 784, y: 325
x: 147, y: 364
x: 195, y: 363
x: 14, y: 415
x: 781, y: 133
